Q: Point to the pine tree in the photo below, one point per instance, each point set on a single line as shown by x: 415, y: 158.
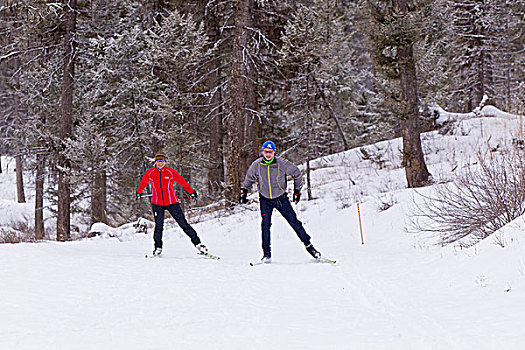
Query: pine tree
x: 487, y: 42
x: 508, y: 64
x: 471, y: 39
x: 433, y: 57
x: 138, y: 84
x: 329, y: 102
x: 66, y: 120
x: 392, y: 40
x: 214, y: 110
x: 34, y: 47
x: 117, y: 99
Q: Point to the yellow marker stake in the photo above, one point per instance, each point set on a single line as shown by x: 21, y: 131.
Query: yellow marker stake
x: 360, y: 227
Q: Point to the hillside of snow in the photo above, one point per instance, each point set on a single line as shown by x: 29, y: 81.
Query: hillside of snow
x: 398, y: 290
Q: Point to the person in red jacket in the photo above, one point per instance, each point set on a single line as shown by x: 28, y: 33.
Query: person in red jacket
x: 163, y: 180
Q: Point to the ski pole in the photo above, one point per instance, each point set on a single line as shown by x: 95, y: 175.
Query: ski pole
x: 360, y: 227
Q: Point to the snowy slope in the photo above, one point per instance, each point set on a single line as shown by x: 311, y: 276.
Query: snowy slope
x: 10, y: 210
x: 397, y: 291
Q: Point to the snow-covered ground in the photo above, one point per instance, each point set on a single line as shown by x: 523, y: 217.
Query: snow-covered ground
x: 395, y: 291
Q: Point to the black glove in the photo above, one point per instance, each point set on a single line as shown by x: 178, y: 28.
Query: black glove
x: 244, y: 195
x: 296, y: 196
x: 138, y: 195
x: 194, y: 195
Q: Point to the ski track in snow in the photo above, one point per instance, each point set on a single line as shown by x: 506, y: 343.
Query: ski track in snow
x: 104, y: 294
x: 405, y: 322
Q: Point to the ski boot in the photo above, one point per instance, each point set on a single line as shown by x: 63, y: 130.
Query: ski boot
x: 157, y: 251
x: 267, y: 258
x: 201, y: 248
x: 313, y: 252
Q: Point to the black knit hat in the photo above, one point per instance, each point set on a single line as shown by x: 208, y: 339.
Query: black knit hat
x: 160, y: 155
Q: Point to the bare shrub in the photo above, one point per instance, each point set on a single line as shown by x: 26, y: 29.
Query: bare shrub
x: 17, y: 232
x: 478, y: 202
x: 375, y: 156
x: 386, y: 197
x: 344, y: 200
x: 500, y: 239
x: 386, y: 202
x: 21, y: 231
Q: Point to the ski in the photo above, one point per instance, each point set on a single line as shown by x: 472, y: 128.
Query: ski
x: 322, y: 260
x: 209, y: 256
x: 205, y: 255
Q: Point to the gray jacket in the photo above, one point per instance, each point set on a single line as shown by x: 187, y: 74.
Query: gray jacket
x: 271, y: 178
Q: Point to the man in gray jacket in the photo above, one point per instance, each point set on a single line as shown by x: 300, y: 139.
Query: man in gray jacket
x: 271, y: 173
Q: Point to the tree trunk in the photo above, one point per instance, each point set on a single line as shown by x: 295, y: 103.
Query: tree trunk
x: 157, y: 143
x: 66, y: 123
x: 508, y: 66
x: 236, y: 122
x: 98, y: 198
x: 308, y: 179
x: 311, y: 136
x: 20, y: 179
x: 251, y: 142
x: 39, y: 197
x: 413, y: 159
x: 18, y: 157
x: 416, y: 171
x: 331, y: 112
x: 480, y: 64
x: 216, y: 171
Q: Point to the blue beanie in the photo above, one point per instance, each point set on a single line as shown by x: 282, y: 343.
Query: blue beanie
x: 270, y: 145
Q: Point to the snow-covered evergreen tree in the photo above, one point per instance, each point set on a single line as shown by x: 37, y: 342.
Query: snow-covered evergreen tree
x: 329, y: 78
x: 30, y: 41
x: 488, y: 44
x: 508, y: 70
x: 433, y: 56
x: 138, y: 88
x: 395, y: 29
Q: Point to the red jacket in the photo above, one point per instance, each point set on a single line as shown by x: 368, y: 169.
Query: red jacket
x: 163, y: 183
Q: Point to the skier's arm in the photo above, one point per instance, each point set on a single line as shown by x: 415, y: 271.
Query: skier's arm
x: 251, y: 176
x: 180, y: 180
x: 293, y: 171
x: 143, y: 182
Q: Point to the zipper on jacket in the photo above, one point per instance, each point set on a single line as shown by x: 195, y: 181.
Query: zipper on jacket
x: 160, y: 184
x: 269, y: 182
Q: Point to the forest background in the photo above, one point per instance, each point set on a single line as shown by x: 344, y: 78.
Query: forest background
x: 90, y: 90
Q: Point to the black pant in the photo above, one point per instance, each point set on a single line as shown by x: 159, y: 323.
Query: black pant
x: 176, y: 212
x: 282, y: 204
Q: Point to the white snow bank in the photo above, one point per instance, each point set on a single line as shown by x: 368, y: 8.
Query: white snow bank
x: 485, y: 111
x: 126, y: 232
